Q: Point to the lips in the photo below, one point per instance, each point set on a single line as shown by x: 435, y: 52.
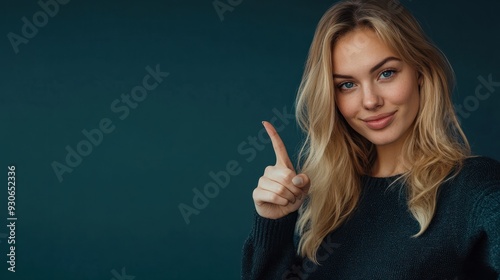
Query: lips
x: 380, y: 121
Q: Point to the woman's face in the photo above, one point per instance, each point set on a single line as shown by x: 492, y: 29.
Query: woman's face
x: 376, y: 92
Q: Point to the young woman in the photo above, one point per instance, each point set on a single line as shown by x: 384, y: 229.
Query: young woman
x: 387, y: 188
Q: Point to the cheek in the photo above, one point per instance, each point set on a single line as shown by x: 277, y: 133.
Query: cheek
x: 347, y: 106
x: 403, y: 93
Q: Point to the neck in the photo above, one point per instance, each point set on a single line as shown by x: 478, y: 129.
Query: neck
x: 389, y: 161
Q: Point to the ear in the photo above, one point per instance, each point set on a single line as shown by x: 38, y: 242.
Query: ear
x: 420, y: 79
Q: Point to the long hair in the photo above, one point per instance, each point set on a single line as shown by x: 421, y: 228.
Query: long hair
x: 335, y: 157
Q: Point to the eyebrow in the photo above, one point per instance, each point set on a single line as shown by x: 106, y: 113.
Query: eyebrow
x: 373, y: 69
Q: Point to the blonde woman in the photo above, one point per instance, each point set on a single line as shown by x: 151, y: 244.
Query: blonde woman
x: 385, y: 187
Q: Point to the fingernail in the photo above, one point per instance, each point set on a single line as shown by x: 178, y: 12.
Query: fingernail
x: 297, y: 181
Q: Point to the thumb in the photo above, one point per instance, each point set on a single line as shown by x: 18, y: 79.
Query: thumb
x: 302, y: 181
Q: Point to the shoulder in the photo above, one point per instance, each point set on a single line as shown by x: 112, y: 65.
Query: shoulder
x: 478, y: 177
x: 479, y: 169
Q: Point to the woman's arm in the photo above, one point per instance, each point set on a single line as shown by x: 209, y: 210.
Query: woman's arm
x: 269, y: 251
x: 483, y: 232
x: 487, y: 230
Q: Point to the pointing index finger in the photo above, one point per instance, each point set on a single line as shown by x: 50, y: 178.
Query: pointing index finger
x: 278, y: 146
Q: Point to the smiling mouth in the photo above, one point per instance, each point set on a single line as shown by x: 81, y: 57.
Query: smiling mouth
x: 380, y: 121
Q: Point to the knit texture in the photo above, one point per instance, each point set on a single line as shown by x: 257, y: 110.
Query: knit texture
x: 462, y: 241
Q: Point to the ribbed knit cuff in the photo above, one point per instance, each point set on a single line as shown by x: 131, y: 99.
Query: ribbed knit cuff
x: 269, y: 233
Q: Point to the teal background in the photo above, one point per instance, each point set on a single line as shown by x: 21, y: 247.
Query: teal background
x: 119, y: 207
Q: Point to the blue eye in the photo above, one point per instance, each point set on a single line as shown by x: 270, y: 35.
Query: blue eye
x: 387, y: 74
x: 347, y: 85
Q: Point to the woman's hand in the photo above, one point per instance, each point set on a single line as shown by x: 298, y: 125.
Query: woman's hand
x: 280, y: 191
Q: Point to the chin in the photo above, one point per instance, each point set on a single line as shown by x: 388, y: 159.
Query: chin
x: 382, y: 139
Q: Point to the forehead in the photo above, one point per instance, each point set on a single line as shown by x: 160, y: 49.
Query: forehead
x: 359, y: 50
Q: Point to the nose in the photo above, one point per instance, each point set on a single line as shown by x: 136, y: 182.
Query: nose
x: 371, y: 99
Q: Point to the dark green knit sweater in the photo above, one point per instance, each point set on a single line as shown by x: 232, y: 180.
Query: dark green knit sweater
x: 462, y: 241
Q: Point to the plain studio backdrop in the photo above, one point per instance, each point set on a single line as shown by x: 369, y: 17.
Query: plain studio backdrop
x: 135, y: 126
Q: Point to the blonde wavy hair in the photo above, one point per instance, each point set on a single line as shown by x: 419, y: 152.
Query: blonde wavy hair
x: 335, y: 157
